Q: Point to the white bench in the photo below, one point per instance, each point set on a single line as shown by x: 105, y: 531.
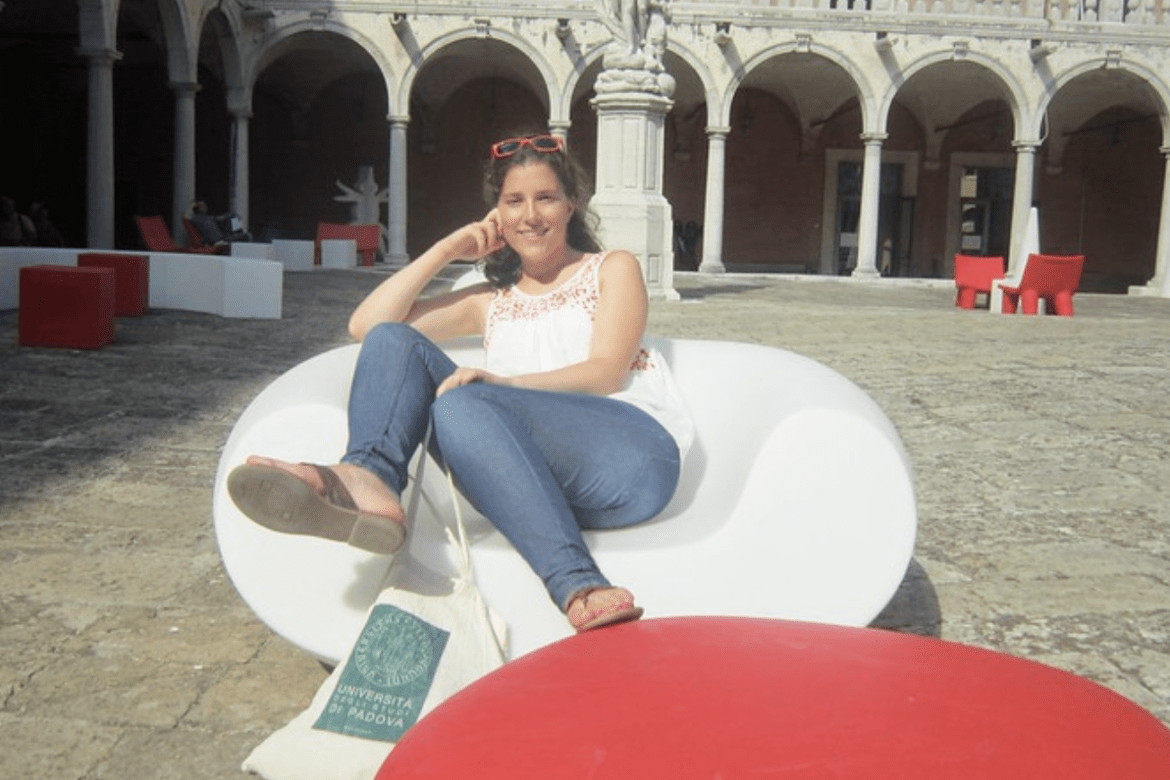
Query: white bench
x: 228, y: 286
x: 797, y: 501
x: 216, y: 284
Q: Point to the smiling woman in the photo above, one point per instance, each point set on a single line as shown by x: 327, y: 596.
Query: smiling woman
x: 573, y: 423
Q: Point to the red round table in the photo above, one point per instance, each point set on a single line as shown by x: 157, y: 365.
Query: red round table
x: 745, y: 698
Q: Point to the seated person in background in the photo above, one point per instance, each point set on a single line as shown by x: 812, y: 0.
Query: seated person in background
x: 15, y: 228
x: 216, y: 231
x: 206, y: 224
x: 47, y: 233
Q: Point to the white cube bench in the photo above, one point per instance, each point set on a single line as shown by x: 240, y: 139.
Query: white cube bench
x: 215, y: 284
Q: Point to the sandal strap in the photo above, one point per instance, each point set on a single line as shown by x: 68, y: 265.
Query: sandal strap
x: 336, y: 492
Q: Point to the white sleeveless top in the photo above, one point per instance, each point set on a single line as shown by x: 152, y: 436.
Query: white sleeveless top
x: 527, y: 334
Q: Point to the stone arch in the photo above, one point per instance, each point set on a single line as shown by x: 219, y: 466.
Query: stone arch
x: 1158, y: 89
x: 182, y: 41
x: 284, y: 42
x: 1024, y: 125
x: 700, y: 69
x: 228, y: 26
x: 863, y: 88
x: 551, y: 96
x: 1104, y: 173
x: 575, y: 84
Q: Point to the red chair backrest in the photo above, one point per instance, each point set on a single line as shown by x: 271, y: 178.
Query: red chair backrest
x: 367, y: 237
x: 977, y: 272
x: 155, y: 234
x: 1050, y: 274
x: 193, y: 234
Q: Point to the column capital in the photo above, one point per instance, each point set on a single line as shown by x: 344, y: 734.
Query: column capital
x: 870, y: 139
x: 398, y: 120
x: 718, y: 131
x: 1026, y: 145
x: 183, y: 88
x: 99, y: 55
x: 239, y: 102
x: 1165, y: 150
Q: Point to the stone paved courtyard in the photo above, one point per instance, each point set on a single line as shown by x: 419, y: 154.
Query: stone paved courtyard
x: 1041, y: 448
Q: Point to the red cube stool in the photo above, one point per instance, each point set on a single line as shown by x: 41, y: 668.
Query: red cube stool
x: 131, y: 280
x: 64, y: 306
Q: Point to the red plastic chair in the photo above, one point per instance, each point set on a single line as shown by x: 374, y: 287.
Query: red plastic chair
x: 1053, y: 278
x: 157, y: 237
x: 368, y: 238
x: 973, y: 276
x: 198, y: 244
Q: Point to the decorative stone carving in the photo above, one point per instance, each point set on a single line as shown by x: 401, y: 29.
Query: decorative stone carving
x: 633, y: 60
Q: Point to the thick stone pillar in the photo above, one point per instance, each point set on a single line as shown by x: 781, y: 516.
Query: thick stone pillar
x: 184, y: 183
x: 1022, y: 201
x: 628, y: 199
x: 1159, y: 285
x: 99, y: 185
x: 712, y: 261
x: 871, y: 192
x: 240, y: 162
x: 396, y: 207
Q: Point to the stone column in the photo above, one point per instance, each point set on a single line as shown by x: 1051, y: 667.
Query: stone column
x: 1022, y: 200
x: 240, y: 162
x: 99, y: 186
x: 1159, y: 285
x: 871, y: 192
x: 712, y: 261
x: 184, y: 184
x: 396, y: 207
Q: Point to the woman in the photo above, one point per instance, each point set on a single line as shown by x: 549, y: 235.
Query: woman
x: 572, y: 425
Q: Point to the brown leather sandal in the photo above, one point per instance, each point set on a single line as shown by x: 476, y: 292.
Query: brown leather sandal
x: 582, y: 618
x: 281, y: 501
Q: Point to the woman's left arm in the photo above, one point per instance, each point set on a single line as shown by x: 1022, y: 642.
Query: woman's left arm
x: 618, y: 326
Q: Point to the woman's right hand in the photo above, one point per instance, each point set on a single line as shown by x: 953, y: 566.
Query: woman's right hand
x: 477, y: 239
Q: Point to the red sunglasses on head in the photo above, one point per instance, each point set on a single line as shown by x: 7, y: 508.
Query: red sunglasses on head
x: 541, y: 143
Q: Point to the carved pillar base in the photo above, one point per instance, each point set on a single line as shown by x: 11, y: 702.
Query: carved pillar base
x: 628, y: 199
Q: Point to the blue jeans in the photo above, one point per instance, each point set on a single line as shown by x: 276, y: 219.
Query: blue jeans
x: 541, y: 466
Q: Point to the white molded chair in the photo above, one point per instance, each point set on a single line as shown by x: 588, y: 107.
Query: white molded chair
x: 796, y: 501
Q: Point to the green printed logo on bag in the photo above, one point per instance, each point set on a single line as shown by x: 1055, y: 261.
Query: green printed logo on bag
x: 383, y: 686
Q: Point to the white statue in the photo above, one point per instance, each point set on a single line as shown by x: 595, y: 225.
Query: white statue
x: 366, y: 198
x: 633, y: 61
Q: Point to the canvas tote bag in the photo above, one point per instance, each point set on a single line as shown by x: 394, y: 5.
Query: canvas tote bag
x: 414, y: 651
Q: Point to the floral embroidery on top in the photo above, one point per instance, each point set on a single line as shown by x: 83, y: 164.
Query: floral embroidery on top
x: 580, y: 292
x: 642, y: 361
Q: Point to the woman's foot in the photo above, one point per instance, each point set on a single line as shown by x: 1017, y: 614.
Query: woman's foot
x: 596, y: 607
x: 343, y: 503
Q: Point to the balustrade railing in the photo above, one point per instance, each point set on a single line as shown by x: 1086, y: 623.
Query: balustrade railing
x: 1130, y: 12
x: 1067, y: 13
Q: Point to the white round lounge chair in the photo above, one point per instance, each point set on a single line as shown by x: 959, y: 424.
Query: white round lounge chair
x: 796, y: 501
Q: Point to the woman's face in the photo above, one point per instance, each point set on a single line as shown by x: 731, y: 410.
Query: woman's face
x: 534, y: 212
